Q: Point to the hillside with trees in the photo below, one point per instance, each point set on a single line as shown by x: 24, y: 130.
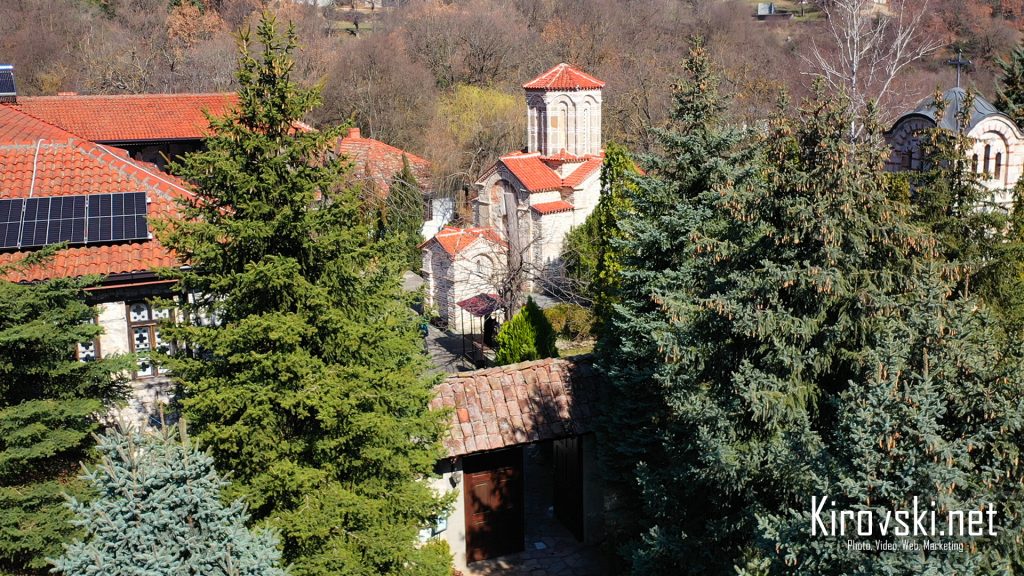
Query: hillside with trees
x: 400, y: 70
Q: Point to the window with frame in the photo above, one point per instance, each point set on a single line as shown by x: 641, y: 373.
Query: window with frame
x: 88, y: 351
x: 144, y: 336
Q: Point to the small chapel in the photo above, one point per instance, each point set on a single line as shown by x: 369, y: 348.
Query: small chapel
x: 998, y: 150
x: 524, y: 204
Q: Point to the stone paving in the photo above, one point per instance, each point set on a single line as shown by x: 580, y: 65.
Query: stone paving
x: 445, y: 349
x: 551, y: 550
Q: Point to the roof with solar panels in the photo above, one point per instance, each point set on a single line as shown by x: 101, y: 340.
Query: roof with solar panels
x: 56, y: 187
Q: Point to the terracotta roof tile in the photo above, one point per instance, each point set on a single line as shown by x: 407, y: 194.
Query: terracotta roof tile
x: 538, y: 173
x: 525, y: 402
x: 454, y: 240
x: 552, y: 207
x: 65, y: 165
x: 589, y: 167
x: 378, y: 162
x: 564, y: 77
x: 130, y: 117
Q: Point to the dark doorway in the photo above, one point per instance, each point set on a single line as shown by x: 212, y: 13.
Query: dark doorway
x: 494, y: 504
x: 568, y: 484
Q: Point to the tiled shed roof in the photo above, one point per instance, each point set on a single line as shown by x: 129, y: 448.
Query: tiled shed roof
x: 510, y: 405
x: 552, y: 207
x: 42, y: 160
x: 564, y: 77
x: 130, y: 117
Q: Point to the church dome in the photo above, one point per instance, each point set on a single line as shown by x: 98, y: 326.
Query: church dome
x: 955, y: 99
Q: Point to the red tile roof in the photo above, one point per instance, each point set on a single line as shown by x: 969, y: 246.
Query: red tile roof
x: 552, y: 207
x: 454, y: 240
x: 537, y: 173
x: 378, y: 162
x: 65, y: 165
x: 564, y: 77
x: 510, y: 405
x: 130, y: 117
x: 581, y: 173
x: 532, y: 172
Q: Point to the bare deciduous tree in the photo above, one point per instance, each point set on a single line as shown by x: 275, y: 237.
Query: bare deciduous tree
x: 868, y: 45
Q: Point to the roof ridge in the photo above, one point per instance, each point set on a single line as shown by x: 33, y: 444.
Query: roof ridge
x: 125, y: 96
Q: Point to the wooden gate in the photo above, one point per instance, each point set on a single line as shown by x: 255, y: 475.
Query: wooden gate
x: 494, y: 504
x: 568, y: 484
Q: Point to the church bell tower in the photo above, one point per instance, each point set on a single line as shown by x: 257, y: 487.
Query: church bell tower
x: 564, y: 112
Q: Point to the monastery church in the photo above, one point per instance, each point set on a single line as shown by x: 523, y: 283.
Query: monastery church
x: 997, y: 153
x: 524, y: 204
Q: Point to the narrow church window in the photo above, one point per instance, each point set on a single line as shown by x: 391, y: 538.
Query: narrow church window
x: 999, y: 165
x: 586, y: 131
x: 988, y: 154
x: 974, y: 163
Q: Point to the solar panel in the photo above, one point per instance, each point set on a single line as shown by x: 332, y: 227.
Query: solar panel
x: 10, y: 222
x: 7, y: 91
x: 82, y: 219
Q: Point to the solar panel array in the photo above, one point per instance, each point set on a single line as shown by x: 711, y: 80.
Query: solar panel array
x: 7, y: 91
x: 84, y: 219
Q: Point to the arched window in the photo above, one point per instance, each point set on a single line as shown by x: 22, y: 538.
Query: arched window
x: 999, y: 165
x: 586, y: 132
x: 988, y: 154
x: 974, y: 163
x: 483, y: 267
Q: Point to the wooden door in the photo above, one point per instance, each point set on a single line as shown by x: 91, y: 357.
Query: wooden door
x: 568, y: 484
x: 494, y: 504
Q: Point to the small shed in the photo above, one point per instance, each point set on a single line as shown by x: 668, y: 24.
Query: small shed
x: 497, y: 412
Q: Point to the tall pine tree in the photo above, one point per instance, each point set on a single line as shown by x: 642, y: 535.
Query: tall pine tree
x: 50, y: 405
x: 401, y: 215
x: 1010, y: 94
x: 306, y: 378
x: 590, y: 256
x: 977, y: 228
x: 158, y: 513
x: 780, y: 318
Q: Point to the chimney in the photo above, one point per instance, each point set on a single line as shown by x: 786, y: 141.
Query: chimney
x: 353, y: 132
x: 8, y: 95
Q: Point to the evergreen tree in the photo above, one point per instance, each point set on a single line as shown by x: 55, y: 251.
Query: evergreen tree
x: 402, y: 215
x: 527, y: 336
x: 1010, y: 94
x: 307, y: 378
x: 49, y: 409
x: 784, y: 331
x: 158, y: 512
x: 975, y: 228
x: 592, y: 260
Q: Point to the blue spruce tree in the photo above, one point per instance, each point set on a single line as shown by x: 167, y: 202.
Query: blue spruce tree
x: 158, y: 512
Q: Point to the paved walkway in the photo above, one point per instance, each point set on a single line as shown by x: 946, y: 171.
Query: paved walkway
x: 445, y: 349
x: 550, y: 549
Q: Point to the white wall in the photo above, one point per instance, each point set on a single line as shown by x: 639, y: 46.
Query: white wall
x: 148, y: 394
x: 455, y: 532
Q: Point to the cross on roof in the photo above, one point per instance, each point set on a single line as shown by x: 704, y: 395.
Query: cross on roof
x: 959, y: 62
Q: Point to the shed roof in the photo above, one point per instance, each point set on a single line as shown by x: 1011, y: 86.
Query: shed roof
x: 517, y: 404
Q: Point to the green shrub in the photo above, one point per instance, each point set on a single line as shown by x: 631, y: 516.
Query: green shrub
x: 572, y: 321
x: 527, y: 336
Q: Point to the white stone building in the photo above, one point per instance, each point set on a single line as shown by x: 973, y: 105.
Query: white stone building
x: 998, y: 149
x: 532, y: 197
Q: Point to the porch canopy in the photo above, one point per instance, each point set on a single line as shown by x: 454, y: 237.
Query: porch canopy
x: 481, y: 305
